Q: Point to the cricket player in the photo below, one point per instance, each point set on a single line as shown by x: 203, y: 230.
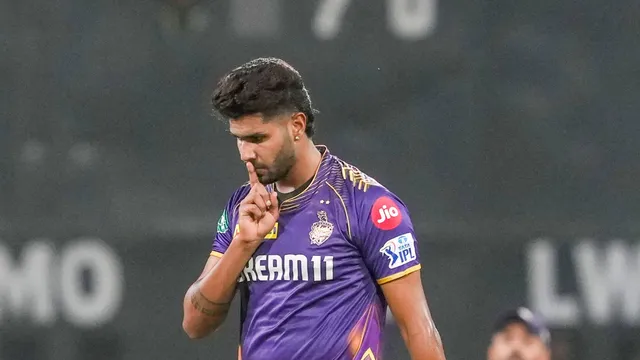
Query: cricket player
x: 316, y: 248
x: 519, y: 334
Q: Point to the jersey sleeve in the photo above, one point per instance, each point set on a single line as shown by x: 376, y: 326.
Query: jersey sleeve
x: 223, y: 235
x: 385, y: 235
x: 225, y: 227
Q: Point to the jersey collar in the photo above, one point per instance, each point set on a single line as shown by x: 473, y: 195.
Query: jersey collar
x: 318, y: 180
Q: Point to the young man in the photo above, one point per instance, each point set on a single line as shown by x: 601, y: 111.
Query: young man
x: 520, y: 335
x: 317, y: 248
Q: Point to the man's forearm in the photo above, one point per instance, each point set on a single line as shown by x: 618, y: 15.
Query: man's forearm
x: 201, y: 316
x: 207, y: 301
x: 220, y: 283
x: 424, y: 344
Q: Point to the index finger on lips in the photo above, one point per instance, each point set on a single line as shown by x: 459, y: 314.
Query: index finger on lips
x: 253, y: 177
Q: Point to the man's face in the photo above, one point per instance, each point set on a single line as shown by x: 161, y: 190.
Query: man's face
x: 268, y: 145
x: 515, y: 342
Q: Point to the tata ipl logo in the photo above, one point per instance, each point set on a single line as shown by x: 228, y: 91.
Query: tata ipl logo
x: 400, y: 250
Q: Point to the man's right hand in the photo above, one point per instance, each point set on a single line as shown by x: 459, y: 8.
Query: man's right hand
x: 258, y: 212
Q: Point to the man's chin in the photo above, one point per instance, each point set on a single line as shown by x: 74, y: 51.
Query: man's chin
x: 266, y: 179
x: 263, y: 175
x: 270, y: 177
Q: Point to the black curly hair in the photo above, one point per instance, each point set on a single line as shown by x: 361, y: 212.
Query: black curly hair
x: 268, y: 86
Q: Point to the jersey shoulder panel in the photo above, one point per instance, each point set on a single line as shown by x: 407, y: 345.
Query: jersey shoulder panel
x: 359, y: 181
x: 380, y: 223
x: 357, y: 190
x: 354, y: 184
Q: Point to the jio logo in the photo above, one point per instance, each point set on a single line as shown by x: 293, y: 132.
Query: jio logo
x: 385, y: 214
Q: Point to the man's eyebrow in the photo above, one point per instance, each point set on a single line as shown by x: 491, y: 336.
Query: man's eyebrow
x: 247, y: 136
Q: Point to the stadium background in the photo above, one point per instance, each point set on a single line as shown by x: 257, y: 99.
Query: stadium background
x: 509, y: 128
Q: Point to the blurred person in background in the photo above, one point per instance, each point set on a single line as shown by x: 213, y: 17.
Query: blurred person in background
x: 519, y: 334
x: 317, y: 249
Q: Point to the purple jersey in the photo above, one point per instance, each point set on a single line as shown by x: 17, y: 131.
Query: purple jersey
x: 312, y: 288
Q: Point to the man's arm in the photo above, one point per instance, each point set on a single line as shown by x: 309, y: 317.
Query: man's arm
x: 386, y: 239
x: 408, y: 304
x: 207, y: 301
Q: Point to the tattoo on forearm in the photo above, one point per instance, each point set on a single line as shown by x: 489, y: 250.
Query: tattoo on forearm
x: 206, y: 306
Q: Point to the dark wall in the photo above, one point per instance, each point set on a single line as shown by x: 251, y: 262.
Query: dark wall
x: 497, y: 122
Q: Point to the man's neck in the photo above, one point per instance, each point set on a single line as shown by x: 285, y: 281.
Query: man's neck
x: 307, y: 162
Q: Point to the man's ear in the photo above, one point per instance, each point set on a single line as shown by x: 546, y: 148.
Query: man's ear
x: 298, y: 123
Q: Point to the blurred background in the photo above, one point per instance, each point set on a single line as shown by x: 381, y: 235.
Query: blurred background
x: 510, y: 129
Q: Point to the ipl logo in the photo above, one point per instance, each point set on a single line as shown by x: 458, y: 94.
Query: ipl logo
x: 400, y: 250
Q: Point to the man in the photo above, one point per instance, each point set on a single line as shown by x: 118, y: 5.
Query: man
x: 520, y: 335
x: 317, y: 248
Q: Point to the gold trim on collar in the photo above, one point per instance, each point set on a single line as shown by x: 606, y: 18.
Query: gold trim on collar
x: 313, y: 180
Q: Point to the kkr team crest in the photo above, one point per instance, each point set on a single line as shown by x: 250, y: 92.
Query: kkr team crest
x: 320, y: 230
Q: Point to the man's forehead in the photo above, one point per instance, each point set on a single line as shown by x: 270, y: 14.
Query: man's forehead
x: 248, y: 125
x: 254, y: 124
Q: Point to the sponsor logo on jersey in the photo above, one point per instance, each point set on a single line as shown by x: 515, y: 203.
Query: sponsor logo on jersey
x: 289, y: 267
x: 400, y: 250
x: 223, y: 222
x: 385, y: 213
x: 272, y: 235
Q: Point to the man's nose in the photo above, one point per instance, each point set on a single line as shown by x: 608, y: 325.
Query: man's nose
x: 247, y: 151
x: 516, y: 354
